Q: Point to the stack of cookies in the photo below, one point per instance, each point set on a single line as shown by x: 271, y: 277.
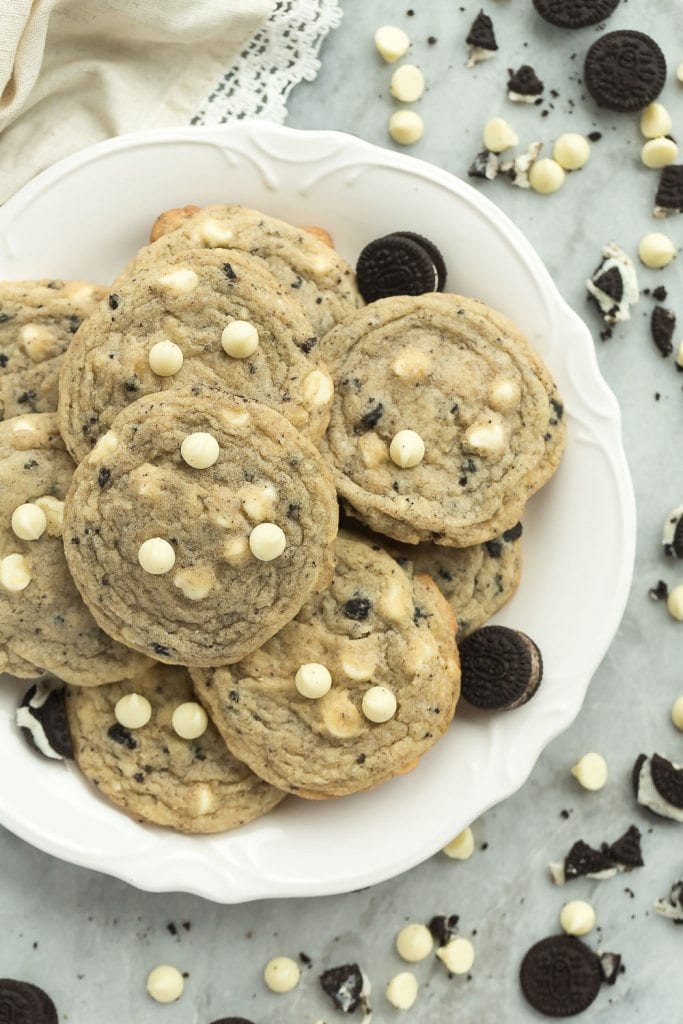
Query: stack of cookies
x: 174, y: 452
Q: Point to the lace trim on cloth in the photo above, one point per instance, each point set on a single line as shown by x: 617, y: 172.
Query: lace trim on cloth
x: 282, y: 54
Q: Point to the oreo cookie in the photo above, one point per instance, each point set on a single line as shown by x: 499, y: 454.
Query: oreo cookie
x: 402, y: 263
x: 560, y: 976
x: 669, y: 197
x: 662, y: 327
x: 672, y: 534
x: 611, y: 967
x: 575, y: 13
x: 658, y: 784
x: 501, y: 668
x: 22, y: 1003
x: 626, y: 851
x: 667, y: 779
x: 524, y: 85
x: 624, y: 71
x: 346, y: 986
x: 481, y: 34
x: 41, y: 716
x: 583, y: 860
x: 232, y: 1020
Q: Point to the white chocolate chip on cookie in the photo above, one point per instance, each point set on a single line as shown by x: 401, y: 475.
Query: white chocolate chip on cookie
x: 379, y: 704
x: 395, y: 602
x: 373, y: 451
x: 240, y: 339
x: 133, y: 711
x: 504, y: 394
x: 105, y: 447
x: 165, y: 358
x: 39, y: 342
x: 407, y: 449
x: 15, y: 574
x: 54, y: 514
x: 156, y: 556
x: 313, y: 680
x: 190, y: 720
x: 412, y: 364
x: 340, y: 716
x: 267, y: 541
x: 196, y: 583
x: 486, y: 437
x: 215, y: 235
x: 318, y: 388
x: 236, y: 551
x: 29, y: 522
x: 183, y: 281
x: 258, y: 501
x: 237, y: 419
x: 200, y: 450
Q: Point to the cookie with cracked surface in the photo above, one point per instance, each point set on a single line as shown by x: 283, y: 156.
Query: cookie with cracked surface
x: 444, y: 421
x: 226, y: 319
x: 306, y: 265
x: 373, y: 629
x: 44, y: 624
x: 199, y: 525
x: 38, y: 319
x: 151, y: 772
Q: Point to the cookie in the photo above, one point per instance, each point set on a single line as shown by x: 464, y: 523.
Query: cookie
x: 228, y: 320
x: 41, y: 716
x: 44, y: 624
x: 397, y: 264
x: 575, y: 13
x: 560, y: 976
x: 662, y: 327
x: 669, y: 197
x: 153, y: 773
x: 659, y: 786
x: 443, y: 421
x: 624, y: 70
x: 307, y: 267
x: 383, y: 646
x: 38, y: 319
x: 22, y: 1003
x: 171, y: 220
x: 199, y: 525
x: 672, y: 534
x: 347, y: 986
x: 501, y: 668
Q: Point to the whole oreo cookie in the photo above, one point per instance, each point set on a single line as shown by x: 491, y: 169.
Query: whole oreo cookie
x: 232, y: 1020
x: 501, y: 668
x: 624, y: 70
x: 395, y: 265
x: 560, y: 976
x: 434, y: 254
x: 21, y: 1003
x: 667, y: 779
x: 41, y: 716
x: 575, y: 13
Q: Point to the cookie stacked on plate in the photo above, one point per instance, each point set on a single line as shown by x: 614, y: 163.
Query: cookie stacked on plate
x: 169, y: 544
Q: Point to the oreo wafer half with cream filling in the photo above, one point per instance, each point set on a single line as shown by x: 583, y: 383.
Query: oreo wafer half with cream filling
x: 41, y: 716
x: 658, y: 784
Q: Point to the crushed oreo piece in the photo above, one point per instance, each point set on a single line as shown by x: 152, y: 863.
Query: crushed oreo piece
x: 673, y: 907
x: 357, y: 608
x: 669, y: 197
x: 560, y: 976
x: 481, y: 40
x: 626, y: 851
x: 611, y: 967
x: 524, y: 85
x: 485, y: 165
x: 662, y: 327
x: 582, y: 859
x: 672, y: 534
x: 41, y: 716
x: 517, y: 169
x: 371, y: 416
x: 614, y: 285
x: 443, y: 927
x: 659, y: 592
x: 114, y: 301
x: 624, y: 70
x: 668, y: 780
x: 658, y: 783
x: 659, y: 293
x: 121, y: 735
x: 346, y: 986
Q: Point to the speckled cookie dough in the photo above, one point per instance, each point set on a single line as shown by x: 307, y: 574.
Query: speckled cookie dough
x: 44, y: 625
x: 199, y: 566
x: 206, y: 314
x: 465, y: 381
x: 38, y: 319
x: 374, y: 628
x: 151, y: 772
x: 306, y: 266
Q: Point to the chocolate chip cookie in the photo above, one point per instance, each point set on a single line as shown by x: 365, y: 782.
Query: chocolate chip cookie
x: 353, y: 691
x: 444, y: 421
x: 199, y: 525
x: 203, y: 315
x: 153, y: 773
x: 306, y: 265
x: 44, y: 624
x: 38, y: 319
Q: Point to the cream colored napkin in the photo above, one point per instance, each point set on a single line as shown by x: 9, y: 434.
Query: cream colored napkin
x: 74, y: 72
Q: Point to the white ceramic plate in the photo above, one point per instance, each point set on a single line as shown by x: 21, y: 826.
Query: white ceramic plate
x: 84, y: 218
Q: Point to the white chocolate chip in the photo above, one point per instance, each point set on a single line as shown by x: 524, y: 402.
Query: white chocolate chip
x: 239, y: 339
x: 340, y: 716
x: 504, y: 394
x: 318, y: 389
x: 234, y: 418
x: 29, y: 522
x: 165, y: 358
x: 204, y: 800
x: 15, y: 574
x: 258, y: 501
x: 590, y: 771
x: 674, y: 602
x: 414, y: 942
x: 391, y: 42
x: 22, y: 426
x: 407, y: 83
x: 39, y: 342
x: 200, y: 450
x: 402, y: 990
x: 379, y: 704
x: 214, y: 234
x: 132, y: 711
x: 395, y: 602
x: 407, y: 449
x: 184, y: 281
x: 406, y: 127
x: 659, y: 153
x: 313, y: 680
x: 165, y: 984
x: 457, y: 955
x: 412, y: 364
x: 358, y: 670
x: 499, y: 135
x: 54, y: 514
x: 462, y: 847
x: 236, y: 551
x: 105, y: 447
x: 196, y: 582
x: 677, y: 713
x: 281, y: 974
x: 373, y: 451
x: 156, y: 556
x: 572, y: 151
x: 577, y: 917
x: 679, y: 72
x: 655, y: 121
x: 486, y: 438
x: 267, y: 541
x: 190, y: 720
x: 656, y: 250
x: 546, y: 176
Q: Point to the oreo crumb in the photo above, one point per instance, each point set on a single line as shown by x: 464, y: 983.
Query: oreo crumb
x: 660, y: 592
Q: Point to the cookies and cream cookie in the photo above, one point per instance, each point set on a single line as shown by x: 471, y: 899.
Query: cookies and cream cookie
x: 184, y: 780
x: 199, y: 525
x: 350, y: 693
x: 444, y: 421
x: 44, y: 624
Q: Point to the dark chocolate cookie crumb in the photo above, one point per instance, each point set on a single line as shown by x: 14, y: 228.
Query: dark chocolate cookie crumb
x: 345, y: 986
x: 659, y: 592
x: 524, y: 81
x: 611, y: 967
x: 583, y: 859
x: 481, y: 33
x: 443, y: 927
x: 662, y: 327
x: 626, y: 851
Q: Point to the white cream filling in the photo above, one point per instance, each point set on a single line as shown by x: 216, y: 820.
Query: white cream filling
x: 613, y: 311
